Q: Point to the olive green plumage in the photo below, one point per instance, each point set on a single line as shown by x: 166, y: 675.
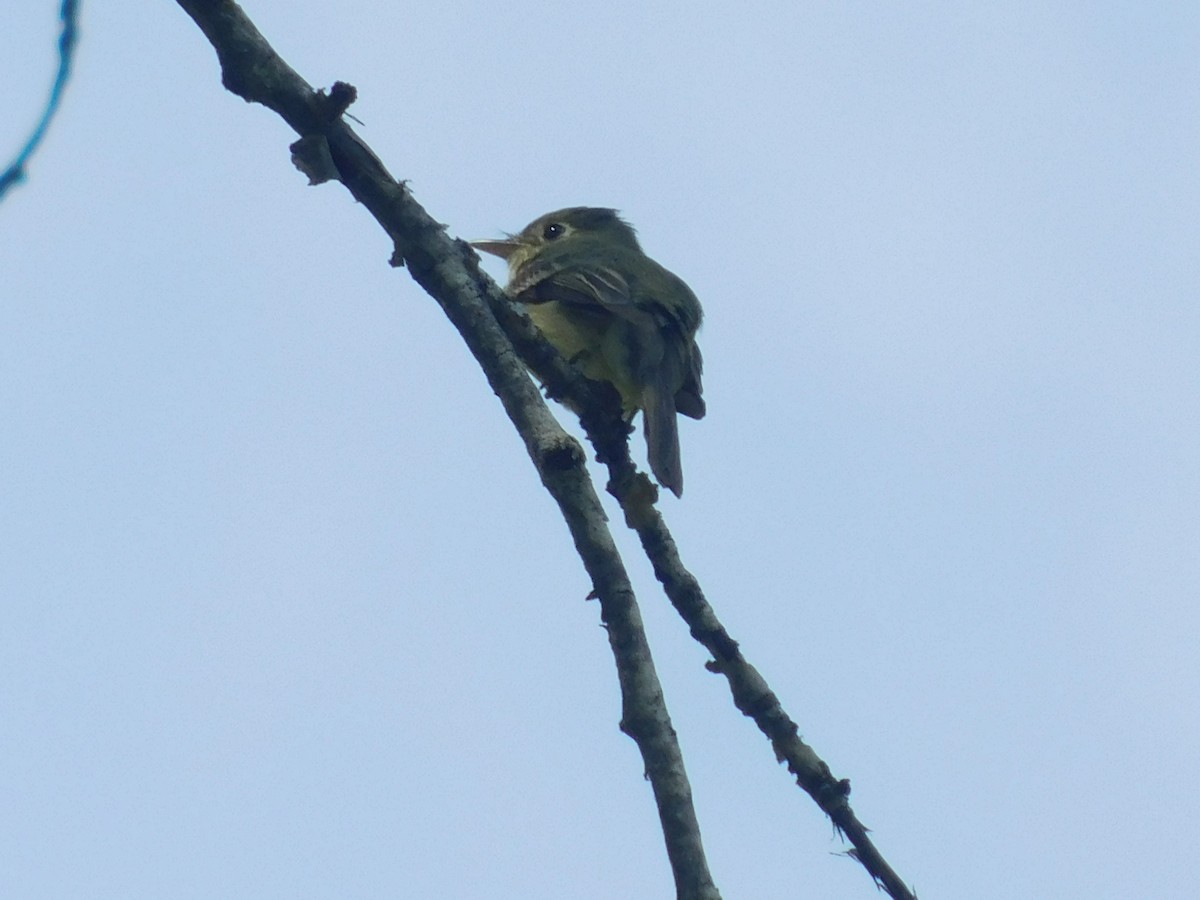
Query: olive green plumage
x: 616, y: 314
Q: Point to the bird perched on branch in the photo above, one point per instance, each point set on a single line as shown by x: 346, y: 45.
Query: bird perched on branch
x: 615, y: 313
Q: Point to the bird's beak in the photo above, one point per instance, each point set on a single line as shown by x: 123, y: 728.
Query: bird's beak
x: 503, y: 249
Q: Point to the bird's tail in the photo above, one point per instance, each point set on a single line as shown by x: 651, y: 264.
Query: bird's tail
x: 662, y: 439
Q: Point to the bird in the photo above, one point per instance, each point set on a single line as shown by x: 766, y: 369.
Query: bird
x: 614, y: 312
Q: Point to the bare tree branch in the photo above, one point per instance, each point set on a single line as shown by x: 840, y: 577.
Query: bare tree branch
x: 492, y: 327
x: 448, y: 270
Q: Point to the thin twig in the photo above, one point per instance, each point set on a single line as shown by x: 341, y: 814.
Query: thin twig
x: 751, y: 694
x: 67, y: 38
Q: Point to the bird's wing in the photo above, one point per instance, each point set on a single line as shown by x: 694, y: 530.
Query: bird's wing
x: 661, y: 349
x: 590, y: 284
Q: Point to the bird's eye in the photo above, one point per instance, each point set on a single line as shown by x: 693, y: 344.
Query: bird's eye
x: 553, y: 231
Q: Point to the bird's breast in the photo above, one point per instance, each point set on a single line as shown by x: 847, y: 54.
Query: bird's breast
x: 589, y: 338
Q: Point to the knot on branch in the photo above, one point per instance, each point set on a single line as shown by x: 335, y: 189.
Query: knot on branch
x: 833, y: 795
x: 562, y: 453
x: 311, y: 156
x: 723, y: 648
x: 331, y: 106
x: 637, y: 495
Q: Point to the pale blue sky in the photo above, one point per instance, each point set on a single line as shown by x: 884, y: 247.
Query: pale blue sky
x: 285, y: 612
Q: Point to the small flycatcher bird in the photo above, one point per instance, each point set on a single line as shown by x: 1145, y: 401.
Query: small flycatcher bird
x: 617, y: 314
